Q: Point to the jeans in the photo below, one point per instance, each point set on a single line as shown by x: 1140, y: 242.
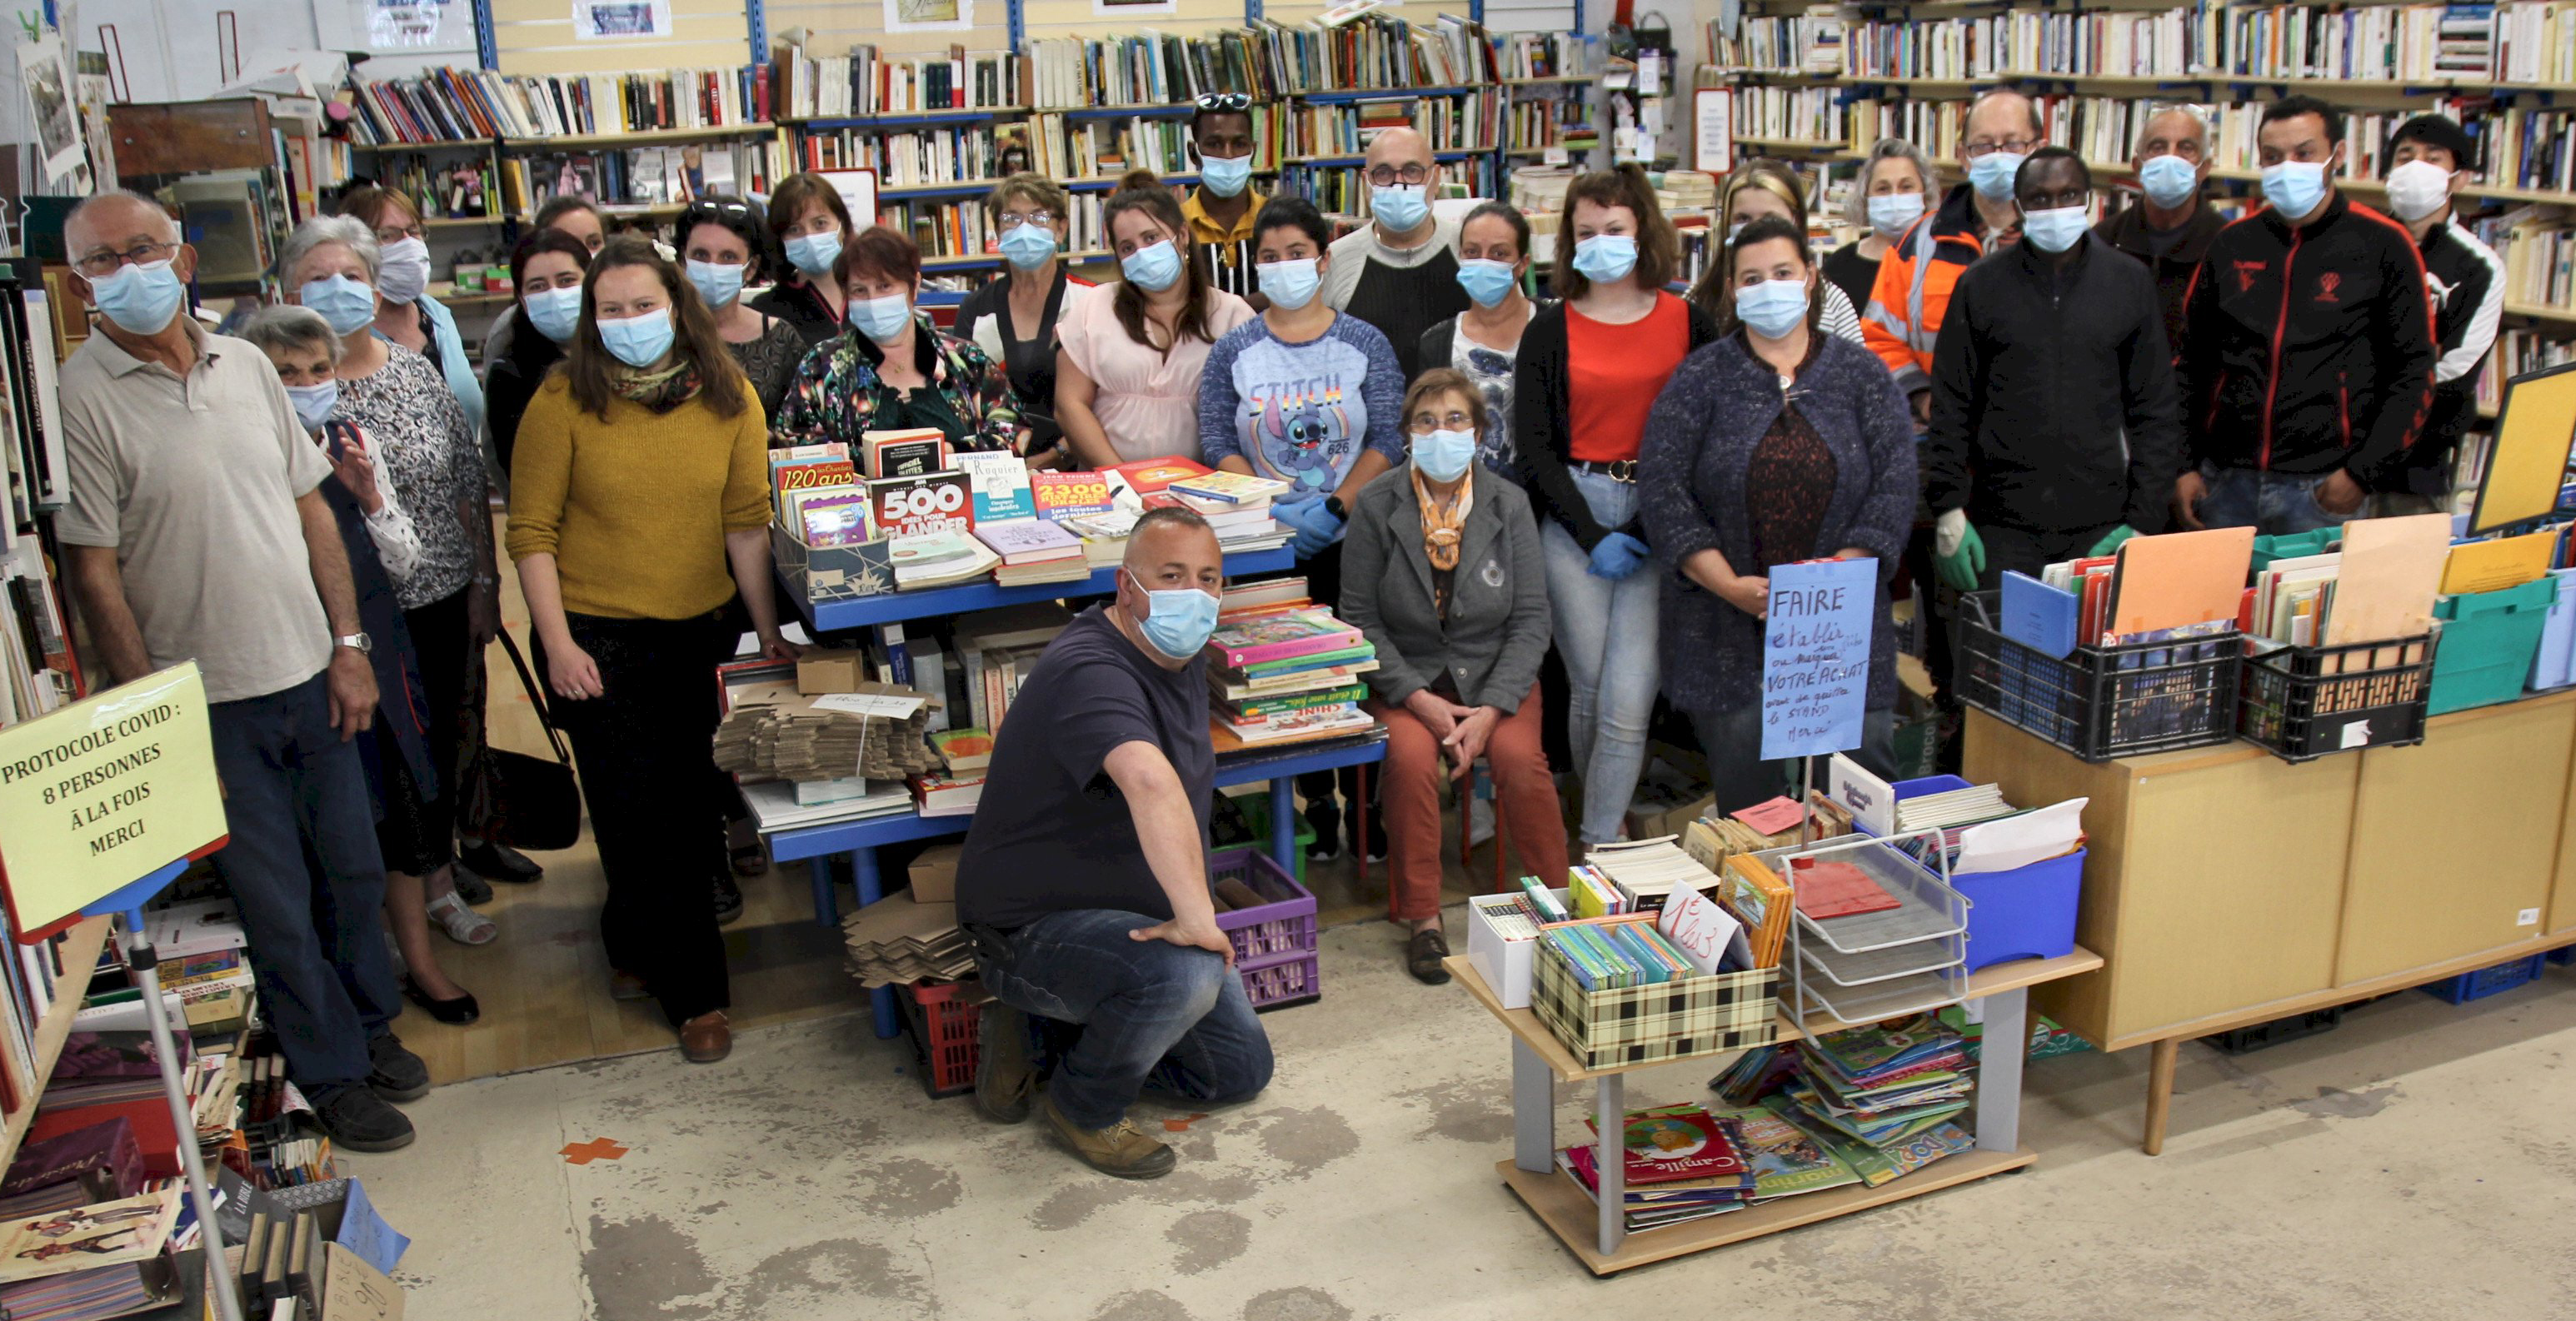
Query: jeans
x: 2272, y: 503
x: 303, y: 868
x: 1152, y: 1014
x: 1525, y: 800
x: 1740, y: 778
x: 1605, y: 631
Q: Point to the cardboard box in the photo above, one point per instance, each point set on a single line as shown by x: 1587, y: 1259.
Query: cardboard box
x: 934, y: 875
x: 1502, y: 962
x: 832, y: 573
x: 1649, y: 820
x: 831, y: 670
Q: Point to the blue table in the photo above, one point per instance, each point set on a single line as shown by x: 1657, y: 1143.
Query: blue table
x: 939, y: 602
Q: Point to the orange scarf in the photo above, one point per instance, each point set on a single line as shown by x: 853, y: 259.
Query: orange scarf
x: 1443, y: 532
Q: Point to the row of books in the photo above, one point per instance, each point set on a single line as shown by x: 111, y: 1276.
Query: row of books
x: 949, y: 153
x: 1534, y: 124
x: 637, y: 176
x: 965, y: 228
x: 1273, y: 60
x: 38, y: 672
x: 864, y: 80
x: 2518, y: 350
x: 1809, y: 43
x: 450, y: 104
x: 1343, y: 190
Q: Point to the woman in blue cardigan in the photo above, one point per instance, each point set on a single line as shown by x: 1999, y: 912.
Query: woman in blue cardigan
x: 1774, y: 444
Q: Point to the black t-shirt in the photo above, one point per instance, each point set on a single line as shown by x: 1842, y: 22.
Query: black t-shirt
x: 1404, y: 301
x: 1852, y: 273
x: 1053, y: 832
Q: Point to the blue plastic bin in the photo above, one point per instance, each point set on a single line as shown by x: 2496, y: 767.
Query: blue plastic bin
x: 2025, y: 913
x: 2554, y: 666
x: 2488, y: 642
x: 2486, y: 981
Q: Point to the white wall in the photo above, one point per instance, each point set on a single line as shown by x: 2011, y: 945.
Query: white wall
x: 168, y: 47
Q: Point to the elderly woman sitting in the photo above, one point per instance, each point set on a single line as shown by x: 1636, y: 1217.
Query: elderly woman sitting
x: 1442, y: 570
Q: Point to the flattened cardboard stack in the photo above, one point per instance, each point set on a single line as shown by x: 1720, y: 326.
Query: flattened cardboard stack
x: 897, y: 940
x: 774, y: 731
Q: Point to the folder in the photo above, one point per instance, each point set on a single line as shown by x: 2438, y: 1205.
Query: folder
x: 2392, y: 571
x: 2495, y: 566
x: 2178, y: 580
x: 2038, y: 616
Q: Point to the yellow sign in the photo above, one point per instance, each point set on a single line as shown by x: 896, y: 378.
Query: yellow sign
x: 2529, y: 461
x: 103, y: 792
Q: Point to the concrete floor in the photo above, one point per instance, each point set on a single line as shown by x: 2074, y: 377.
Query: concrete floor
x: 2418, y: 1162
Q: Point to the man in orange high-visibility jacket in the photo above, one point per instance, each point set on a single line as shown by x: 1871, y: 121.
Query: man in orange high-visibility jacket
x: 1903, y: 319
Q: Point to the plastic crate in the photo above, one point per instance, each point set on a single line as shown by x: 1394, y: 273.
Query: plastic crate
x: 1283, y: 924
x: 2563, y: 956
x: 1251, y: 813
x: 1283, y: 982
x: 2101, y: 702
x: 2306, y: 702
x: 2238, y: 1041
x: 943, y: 1029
x: 2487, y: 981
x: 2554, y: 665
x: 2296, y: 545
x: 2488, y: 642
x: 2027, y: 912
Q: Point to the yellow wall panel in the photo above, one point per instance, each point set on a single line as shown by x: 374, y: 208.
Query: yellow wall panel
x: 536, y: 37
x: 1074, y: 18
x: 839, y: 24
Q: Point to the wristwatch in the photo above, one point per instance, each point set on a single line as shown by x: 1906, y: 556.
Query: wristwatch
x: 358, y: 642
x: 1333, y: 506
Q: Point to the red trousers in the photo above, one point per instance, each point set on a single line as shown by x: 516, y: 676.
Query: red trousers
x: 1525, y: 803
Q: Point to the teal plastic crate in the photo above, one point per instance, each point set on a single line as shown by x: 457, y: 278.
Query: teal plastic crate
x: 1255, y: 808
x: 2292, y: 545
x: 2488, y: 641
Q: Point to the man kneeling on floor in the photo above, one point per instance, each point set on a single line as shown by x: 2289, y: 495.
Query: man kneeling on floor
x: 1084, y: 880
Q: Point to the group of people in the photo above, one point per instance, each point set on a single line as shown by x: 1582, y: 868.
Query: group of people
x: 1523, y: 501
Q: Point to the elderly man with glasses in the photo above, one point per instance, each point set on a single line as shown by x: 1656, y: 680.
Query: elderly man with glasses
x: 1400, y: 273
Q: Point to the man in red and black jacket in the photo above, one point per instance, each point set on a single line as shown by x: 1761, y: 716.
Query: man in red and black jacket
x: 2308, y: 365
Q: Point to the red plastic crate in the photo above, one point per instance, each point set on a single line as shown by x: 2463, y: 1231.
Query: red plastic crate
x: 943, y: 1036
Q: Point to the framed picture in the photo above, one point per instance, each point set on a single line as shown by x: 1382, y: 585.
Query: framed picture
x: 929, y: 15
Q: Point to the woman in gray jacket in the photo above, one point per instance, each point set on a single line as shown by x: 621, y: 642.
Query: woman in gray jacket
x: 1774, y: 444
x: 1441, y: 569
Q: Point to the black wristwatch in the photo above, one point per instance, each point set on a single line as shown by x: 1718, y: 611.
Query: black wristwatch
x: 1333, y: 506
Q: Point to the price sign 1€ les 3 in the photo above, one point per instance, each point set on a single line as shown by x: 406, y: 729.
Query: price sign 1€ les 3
x: 103, y: 792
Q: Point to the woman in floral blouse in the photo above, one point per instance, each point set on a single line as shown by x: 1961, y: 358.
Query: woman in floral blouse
x: 891, y: 369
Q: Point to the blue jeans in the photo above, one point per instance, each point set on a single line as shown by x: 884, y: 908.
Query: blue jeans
x: 1152, y: 1014
x: 305, y: 871
x: 1605, y: 633
x: 2272, y: 503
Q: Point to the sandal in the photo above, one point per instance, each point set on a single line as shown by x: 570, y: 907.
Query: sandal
x: 462, y: 924
x: 1422, y: 956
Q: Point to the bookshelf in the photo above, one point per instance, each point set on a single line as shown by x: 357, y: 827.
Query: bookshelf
x: 79, y: 956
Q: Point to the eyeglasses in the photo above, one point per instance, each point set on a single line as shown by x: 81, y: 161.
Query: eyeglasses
x: 397, y: 233
x: 1425, y: 423
x: 2017, y: 146
x: 104, y: 263
x: 1387, y: 176
x: 1013, y: 219
x: 1226, y: 101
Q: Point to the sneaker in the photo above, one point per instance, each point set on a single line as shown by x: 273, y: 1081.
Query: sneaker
x: 1375, y: 847
x: 1480, y: 820
x: 1003, y: 1079
x: 1121, y: 1150
x: 395, y: 1073
x: 500, y: 862
x: 728, y: 899
x: 359, y: 1120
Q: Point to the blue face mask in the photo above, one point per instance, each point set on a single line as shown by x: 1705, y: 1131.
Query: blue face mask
x: 140, y: 298
x: 1890, y: 213
x: 1153, y: 267
x: 313, y: 403
x: 1488, y: 282
x: 1290, y: 284
x: 1606, y: 258
x: 1178, y: 621
x: 1400, y: 207
x: 1443, y: 456
x: 1993, y: 174
x: 638, y: 341
x: 2055, y: 228
x: 1028, y: 246
x: 881, y: 319
x: 555, y: 312
x: 814, y: 253
x: 2169, y: 180
x: 717, y: 283
x: 1772, y: 308
x: 346, y: 305
x: 2294, y: 187
x: 1225, y: 176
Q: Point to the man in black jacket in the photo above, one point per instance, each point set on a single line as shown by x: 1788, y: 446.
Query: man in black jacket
x: 2055, y: 422
x: 2170, y: 226
x: 2428, y: 156
x: 2307, y: 368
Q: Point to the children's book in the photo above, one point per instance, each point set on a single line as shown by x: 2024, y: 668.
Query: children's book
x: 1266, y: 638
x: 1786, y: 1159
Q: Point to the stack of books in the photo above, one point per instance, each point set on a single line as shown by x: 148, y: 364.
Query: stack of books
x: 1681, y: 1165
x: 102, y: 1260
x: 815, y: 494
x: 1606, y: 956
x: 1288, y: 673
x: 939, y: 559
x: 1884, y: 1099
x: 947, y: 795
x: 1235, y: 505
x: 1032, y: 550
x: 1646, y: 872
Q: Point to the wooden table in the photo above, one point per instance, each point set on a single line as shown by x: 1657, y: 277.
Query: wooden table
x: 1598, y: 1235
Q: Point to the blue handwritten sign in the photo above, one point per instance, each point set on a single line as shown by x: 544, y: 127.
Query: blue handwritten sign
x: 1815, y: 657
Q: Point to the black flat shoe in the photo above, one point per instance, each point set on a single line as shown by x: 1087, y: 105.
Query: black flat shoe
x: 458, y: 1012
x: 471, y: 887
x: 1422, y: 956
x: 500, y: 862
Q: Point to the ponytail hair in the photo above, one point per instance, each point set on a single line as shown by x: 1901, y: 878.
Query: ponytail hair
x: 1140, y: 190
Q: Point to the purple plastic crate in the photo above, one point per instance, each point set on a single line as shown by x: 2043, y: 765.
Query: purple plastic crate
x: 1292, y: 980
x: 1283, y: 925
x: 2487, y: 981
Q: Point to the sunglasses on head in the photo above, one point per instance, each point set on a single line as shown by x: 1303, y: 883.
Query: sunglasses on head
x: 1226, y: 101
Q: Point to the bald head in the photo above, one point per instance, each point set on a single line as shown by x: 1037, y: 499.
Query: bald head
x: 1172, y: 543
x: 117, y: 220
x: 1399, y: 147
x: 2004, y: 115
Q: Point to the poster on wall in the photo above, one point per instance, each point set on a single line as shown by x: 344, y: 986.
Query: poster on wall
x: 395, y: 24
x: 1133, y: 8
x: 47, y: 75
x: 858, y: 190
x: 1713, y: 130
x: 618, y: 20
x: 929, y: 15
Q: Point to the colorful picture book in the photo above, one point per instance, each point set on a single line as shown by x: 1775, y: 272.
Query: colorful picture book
x: 1057, y: 496
x: 1271, y: 638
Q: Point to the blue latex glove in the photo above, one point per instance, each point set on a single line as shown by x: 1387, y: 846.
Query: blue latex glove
x: 1316, y: 527
x: 1617, y: 556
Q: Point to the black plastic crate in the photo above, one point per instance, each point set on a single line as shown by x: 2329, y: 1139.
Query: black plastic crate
x: 2279, y: 1030
x: 2100, y: 702
x: 2307, y: 702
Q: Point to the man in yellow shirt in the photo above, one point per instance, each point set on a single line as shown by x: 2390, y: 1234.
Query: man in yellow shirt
x: 1221, y: 208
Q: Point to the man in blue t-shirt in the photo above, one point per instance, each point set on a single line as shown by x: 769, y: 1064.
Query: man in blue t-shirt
x: 1084, y: 879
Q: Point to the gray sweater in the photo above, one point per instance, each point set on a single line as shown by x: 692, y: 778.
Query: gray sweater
x: 1690, y: 479
x: 1497, y: 629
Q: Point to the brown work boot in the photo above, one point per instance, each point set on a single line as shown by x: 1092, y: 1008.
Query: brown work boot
x: 1121, y: 1150
x: 1003, y: 1080
x: 706, y: 1038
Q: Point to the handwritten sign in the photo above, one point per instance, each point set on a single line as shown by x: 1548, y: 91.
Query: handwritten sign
x: 104, y: 792
x: 1698, y: 928
x: 1815, y: 656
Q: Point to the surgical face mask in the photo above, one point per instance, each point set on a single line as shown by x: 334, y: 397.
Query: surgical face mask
x: 1772, y: 308
x: 2055, y: 228
x: 555, y: 312
x: 1890, y: 213
x: 2294, y: 187
x: 639, y: 341
x: 1153, y: 267
x: 1027, y: 247
x: 140, y: 298
x: 881, y: 319
x: 1177, y: 621
x: 346, y: 305
x: 814, y: 254
x: 1993, y: 174
x: 1225, y: 176
x: 2168, y: 180
x: 1290, y: 284
x: 313, y: 403
x: 402, y: 270
x: 2417, y: 189
x: 717, y: 283
x: 1606, y: 258
x: 1443, y: 455
x: 1400, y: 207
x: 1488, y: 282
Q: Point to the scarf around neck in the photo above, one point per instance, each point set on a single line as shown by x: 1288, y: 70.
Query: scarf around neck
x: 659, y: 391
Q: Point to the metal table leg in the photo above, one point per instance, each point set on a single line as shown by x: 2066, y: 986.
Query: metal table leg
x: 2007, y: 1015
x: 863, y: 864
x: 1533, y: 1111
x: 1610, y: 1158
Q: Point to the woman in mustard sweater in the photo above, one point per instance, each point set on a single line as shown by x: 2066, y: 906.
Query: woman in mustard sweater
x: 639, y: 504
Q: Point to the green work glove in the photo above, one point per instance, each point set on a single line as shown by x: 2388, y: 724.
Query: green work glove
x: 1958, y: 551
x: 2111, y: 540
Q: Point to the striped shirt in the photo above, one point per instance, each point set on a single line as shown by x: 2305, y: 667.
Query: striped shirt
x: 1224, y: 255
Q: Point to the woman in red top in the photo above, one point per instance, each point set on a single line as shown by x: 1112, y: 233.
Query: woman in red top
x: 1590, y: 368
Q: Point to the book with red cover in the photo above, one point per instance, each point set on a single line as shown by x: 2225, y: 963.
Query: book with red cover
x: 150, y: 1118
x: 1836, y: 889
x: 1146, y: 476
x: 1681, y: 1142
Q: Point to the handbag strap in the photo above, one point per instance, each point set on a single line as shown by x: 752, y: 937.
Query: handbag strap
x: 536, y: 697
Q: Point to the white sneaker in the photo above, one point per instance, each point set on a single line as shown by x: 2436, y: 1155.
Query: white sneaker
x: 1480, y: 820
